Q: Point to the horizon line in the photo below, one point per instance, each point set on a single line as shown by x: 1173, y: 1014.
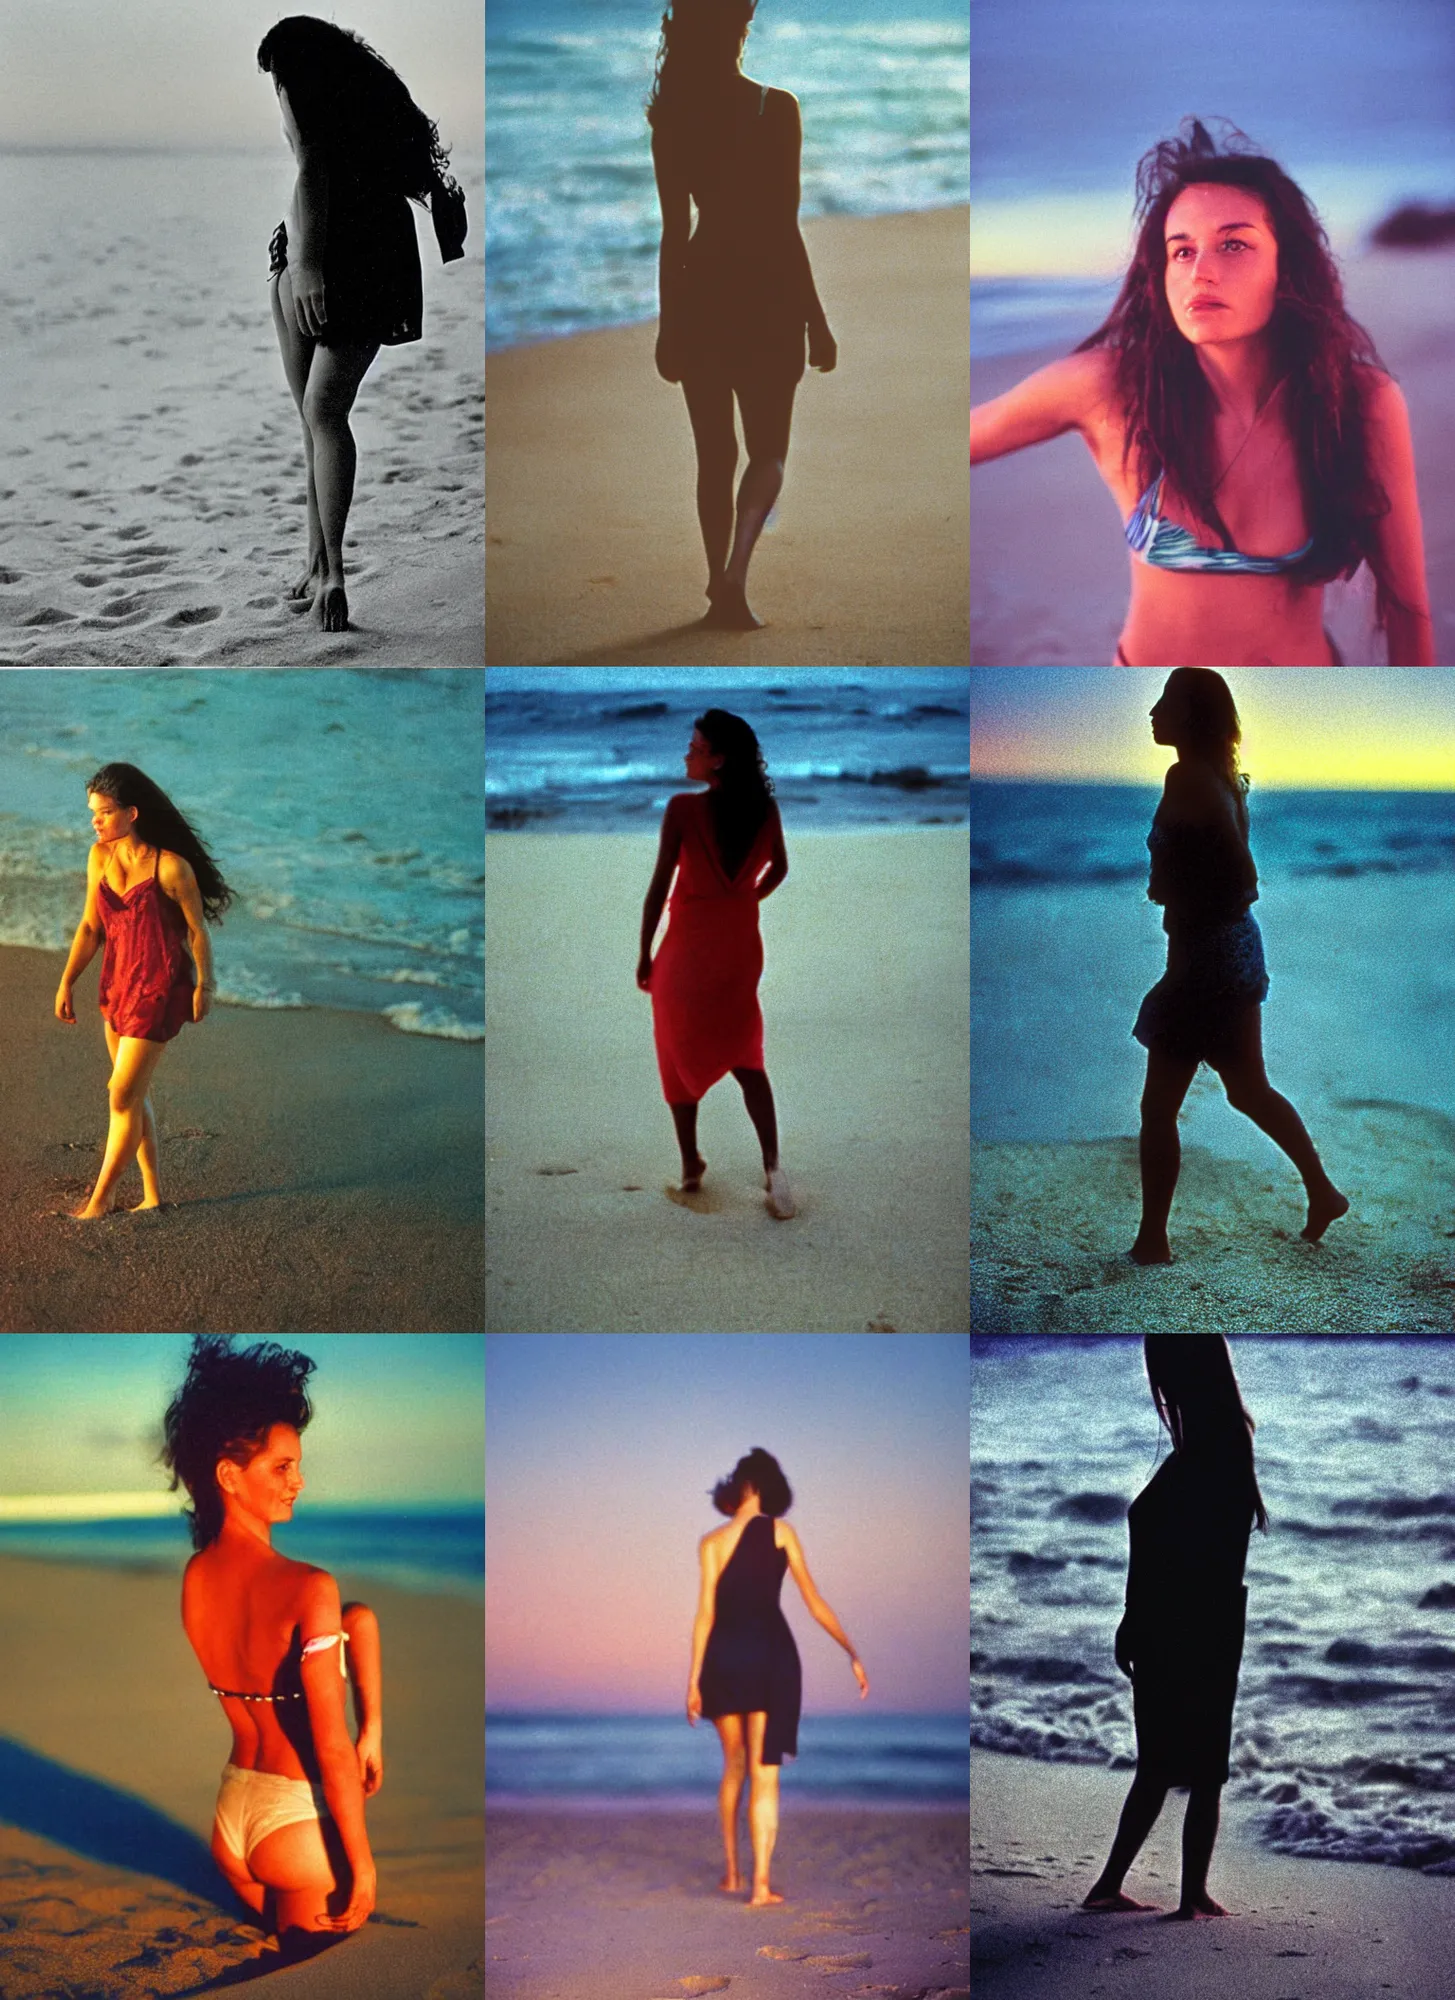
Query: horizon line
x: 1151, y: 784
x: 36, y: 1509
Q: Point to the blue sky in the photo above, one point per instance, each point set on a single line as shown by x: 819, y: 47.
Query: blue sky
x: 397, y: 1417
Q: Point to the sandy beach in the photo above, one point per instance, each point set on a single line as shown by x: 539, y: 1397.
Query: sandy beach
x: 324, y: 1170
x: 865, y: 1002
x: 1026, y: 613
x: 1355, y: 1032
x: 1298, y: 1930
x: 108, y: 1777
x: 593, y: 552
x: 622, y: 1905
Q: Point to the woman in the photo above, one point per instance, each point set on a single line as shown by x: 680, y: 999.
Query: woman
x: 736, y: 294
x: 1206, y: 1008
x: 345, y: 265
x: 726, y: 847
x: 745, y: 1668
x: 1181, y: 1640
x: 270, y: 1634
x: 152, y: 888
x: 1255, y: 444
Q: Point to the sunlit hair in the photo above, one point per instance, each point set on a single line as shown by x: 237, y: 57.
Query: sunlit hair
x: 698, y: 60
x: 760, y: 1470
x: 1196, y: 1393
x: 739, y: 800
x: 1212, y: 727
x: 1318, y: 352
x: 225, y: 1408
x: 346, y: 97
x: 160, y: 824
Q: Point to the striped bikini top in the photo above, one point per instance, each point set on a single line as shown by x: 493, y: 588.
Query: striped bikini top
x: 318, y: 1645
x: 1163, y: 545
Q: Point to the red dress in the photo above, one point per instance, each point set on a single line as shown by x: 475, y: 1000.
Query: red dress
x: 146, y: 970
x: 705, y: 1014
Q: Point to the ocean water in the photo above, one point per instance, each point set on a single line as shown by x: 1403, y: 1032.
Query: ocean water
x: 343, y: 805
x: 877, y: 751
x: 1353, y: 100
x: 1031, y: 836
x: 573, y: 222
x: 865, y: 1758
x: 422, y: 1549
x: 1344, y: 1728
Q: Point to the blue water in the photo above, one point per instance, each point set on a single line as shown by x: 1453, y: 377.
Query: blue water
x: 572, y: 222
x: 421, y: 1549
x: 1344, y: 1727
x: 1353, y: 99
x: 863, y: 1758
x: 1032, y: 835
x: 880, y: 750
x: 343, y: 805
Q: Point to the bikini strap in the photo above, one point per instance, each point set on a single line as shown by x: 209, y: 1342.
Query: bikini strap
x: 323, y: 1642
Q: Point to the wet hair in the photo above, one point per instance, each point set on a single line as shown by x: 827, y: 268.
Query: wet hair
x: 760, y: 1470
x: 1212, y: 727
x: 1322, y: 355
x: 1196, y: 1393
x: 226, y: 1407
x: 740, y: 798
x: 701, y: 52
x: 160, y: 824
x: 346, y: 97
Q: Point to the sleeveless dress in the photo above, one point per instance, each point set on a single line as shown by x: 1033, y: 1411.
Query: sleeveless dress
x: 146, y: 969
x: 705, y: 1015
x: 751, y: 1665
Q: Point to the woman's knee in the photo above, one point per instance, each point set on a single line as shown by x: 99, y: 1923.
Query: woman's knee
x: 767, y: 467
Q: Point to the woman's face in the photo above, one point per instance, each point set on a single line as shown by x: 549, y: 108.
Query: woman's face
x: 268, y: 1484
x: 1222, y: 264
x: 702, y: 761
x: 1169, y: 714
x: 110, y: 821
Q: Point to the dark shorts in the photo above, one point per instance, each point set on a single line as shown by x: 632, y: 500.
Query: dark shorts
x: 1212, y: 977
x: 372, y: 284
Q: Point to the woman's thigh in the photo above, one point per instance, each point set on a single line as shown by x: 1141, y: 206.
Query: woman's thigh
x: 306, y: 1868
x: 295, y: 347
x: 767, y: 407
x: 133, y: 1065
x: 730, y: 1733
x: 757, y: 1723
x: 710, y: 406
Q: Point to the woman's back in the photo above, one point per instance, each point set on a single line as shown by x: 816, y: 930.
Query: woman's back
x: 241, y: 1613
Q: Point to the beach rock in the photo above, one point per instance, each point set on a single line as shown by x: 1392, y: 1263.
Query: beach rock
x: 1414, y: 225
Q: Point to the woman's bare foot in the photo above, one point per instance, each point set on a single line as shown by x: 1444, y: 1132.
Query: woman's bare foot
x: 731, y: 1883
x: 1150, y: 1249
x: 90, y: 1213
x: 780, y: 1195
x: 331, y: 608
x: 730, y: 611
x: 1323, y: 1208
x: 692, y: 1173
x: 307, y: 584
x: 147, y: 1201
x: 1104, y: 1904
x: 1194, y: 1910
x: 761, y: 1896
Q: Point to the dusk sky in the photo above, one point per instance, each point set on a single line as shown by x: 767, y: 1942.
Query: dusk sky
x: 1336, y: 728
x: 173, y: 73
x: 396, y: 1417
x: 601, y: 1452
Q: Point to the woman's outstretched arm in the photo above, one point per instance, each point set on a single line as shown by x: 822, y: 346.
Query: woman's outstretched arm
x: 1058, y: 398
x: 821, y: 1610
x: 86, y: 943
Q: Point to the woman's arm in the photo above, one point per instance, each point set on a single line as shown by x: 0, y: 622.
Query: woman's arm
x: 702, y: 1623
x: 661, y: 882
x: 178, y: 882
x: 1401, y: 538
x: 310, y: 206
x: 818, y: 1607
x: 674, y: 197
x: 823, y: 350
x: 319, y: 1614
x: 778, y: 859
x: 1060, y: 397
x: 88, y: 940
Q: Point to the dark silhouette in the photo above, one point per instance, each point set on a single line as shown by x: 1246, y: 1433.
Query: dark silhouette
x: 348, y: 280
x: 1206, y: 1007
x: 1180, y: 1641
x: 737, y: 294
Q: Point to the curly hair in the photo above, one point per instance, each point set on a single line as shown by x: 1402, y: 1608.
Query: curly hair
x: 743, y: 790
x: 225, y: 1409
x: 702, y: 41
x: 160, y: 824
x: 760, y: 1470
x: 346, y: 97
x: 1214, y: 728
x: 1323, y: 356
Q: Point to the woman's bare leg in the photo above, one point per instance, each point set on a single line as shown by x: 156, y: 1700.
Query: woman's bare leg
x: 729, y: 1792
x: 758, y: 1096
x: 762, y: 1810
x: 1249, y: 1091
x: 147, y: 1157
x: 1139, y: 1816
x: 767, y: 417
x: 334, y: 375
x: 127, y: 1092
x: 1199, y: 1832
x: 1160, y: 1152
x: 297, y: 350
x: 710, y: 407
x: 684, y: 1117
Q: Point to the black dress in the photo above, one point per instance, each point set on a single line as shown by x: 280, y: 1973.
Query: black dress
x: 751, y: 1663
x: 373, y: 288
x: 1186, y: 1605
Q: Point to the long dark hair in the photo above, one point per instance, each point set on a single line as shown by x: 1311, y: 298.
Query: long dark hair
x: 159, y: 824
x: 1196, y: 1393
x: 1213, y: 728
x: 743, y: 790
x: 698, y: 59
x: 1318, y: 350
x: 760, y: 1470
x: 225, y: 1409
x: 346, y: 97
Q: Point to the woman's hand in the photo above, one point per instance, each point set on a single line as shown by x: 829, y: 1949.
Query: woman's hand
x: 669, y: 356
x: 361, y: 1902
x: 860, y: 1676
x: 64, y: 1010
x: 1120, y: 1647
x: 370, y: 1752
x: 694, y: 1704
x: 309, y: 306
x: 201, y: 1002
x: 823, y: 349
x: 644, y: 972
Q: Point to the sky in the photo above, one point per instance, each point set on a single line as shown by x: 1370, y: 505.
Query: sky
x: 600, y: 1454
x: 1333, y: 728
x: 397, y: 1417
x: 184, y: 73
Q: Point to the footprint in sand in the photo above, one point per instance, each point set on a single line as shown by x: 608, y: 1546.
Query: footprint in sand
x: 123, y: 607
x: 89, y: 582
x: 11, y: 575
x: 130, y: 534
x: 50, y: 617
x: 201, y: 614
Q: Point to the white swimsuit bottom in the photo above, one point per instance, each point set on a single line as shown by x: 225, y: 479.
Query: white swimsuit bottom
x: 253, y: 1804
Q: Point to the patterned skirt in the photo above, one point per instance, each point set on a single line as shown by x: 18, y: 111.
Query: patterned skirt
x: 1212, y: 977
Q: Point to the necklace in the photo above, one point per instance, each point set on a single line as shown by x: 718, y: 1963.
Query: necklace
x: 1251, y: 428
